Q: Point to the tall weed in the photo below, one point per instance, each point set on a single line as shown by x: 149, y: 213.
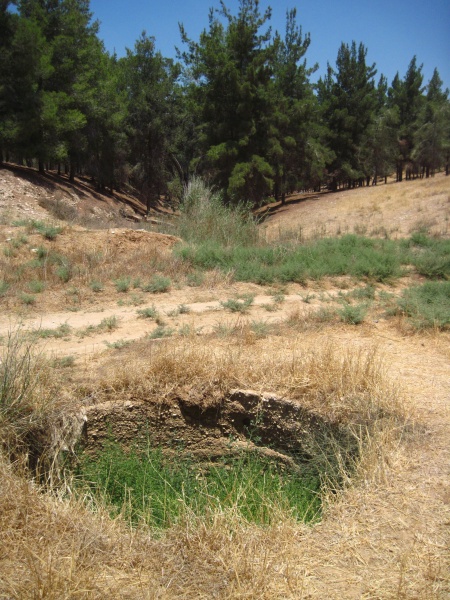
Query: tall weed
x: 204, y: 217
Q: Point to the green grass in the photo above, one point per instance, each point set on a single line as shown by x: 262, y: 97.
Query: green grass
x: 64, y: 362
x: 375, y: 260
x: 427, y: 305
x: 430, y: 256
x: 35, y: 286
x: 62, y: 331
x: 147, y: 486
x: 118, y: 345
x: 64, y: 272
x: 158, y: 284
x: 3, y: 287
x: 240, y: 306
x: 45, y: 229
x: 27, y: 299
x: 353, y: 314
x: 161, y: 331
x: 205, y: 218
x: 96, y: 286
x: 149, y: 312
x: 122, y: 284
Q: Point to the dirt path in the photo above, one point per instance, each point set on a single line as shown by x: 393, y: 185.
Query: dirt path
x: 176, y: 311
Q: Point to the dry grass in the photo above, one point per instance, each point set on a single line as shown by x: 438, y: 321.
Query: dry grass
x: 393, y: 210
x: 62, y: 550
x: 342, y: 385
x: 55, y: 548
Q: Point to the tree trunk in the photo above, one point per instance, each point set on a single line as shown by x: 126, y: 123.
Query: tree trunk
x: 72, y: 172
x: 41, y: 166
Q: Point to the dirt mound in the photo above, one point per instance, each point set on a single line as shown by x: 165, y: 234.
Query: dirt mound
x: 114, y: 240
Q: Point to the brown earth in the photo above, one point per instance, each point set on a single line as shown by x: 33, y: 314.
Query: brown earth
x: 385, y: 537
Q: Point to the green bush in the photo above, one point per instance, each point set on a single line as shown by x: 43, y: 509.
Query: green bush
x: 122, y: 284
x: 158, y: 284
x: 354, y: 314
x: 3, y: 287
x: 148, y: 313
x: 241, y: 306
x: 427, y: 305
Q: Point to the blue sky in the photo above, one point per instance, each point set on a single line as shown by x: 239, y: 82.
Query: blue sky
x: 393, y: 31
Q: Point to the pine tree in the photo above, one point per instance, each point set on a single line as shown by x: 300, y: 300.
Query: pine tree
x: 232, y: 67
x: 349, y: 99
x: 8, y: 24
x: 407, y: 96
x: 297, y: 152
x: 432, y: 136
x: 149, y: 81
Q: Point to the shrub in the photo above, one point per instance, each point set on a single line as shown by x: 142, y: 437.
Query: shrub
x: 354, y: 314
x: 36, y: 286
x: 3, y: 287
x: 64, y: 272
x: 96, y: 286
x: 427, y: 305
x: 241, y: 306
x: 122, y: 284
x: 27, y: 298
x: 148, y: 313
x: 158, y: 284
x: 204, y: 217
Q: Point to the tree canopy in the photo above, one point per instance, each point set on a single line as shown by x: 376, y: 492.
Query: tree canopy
x: 238, y: 107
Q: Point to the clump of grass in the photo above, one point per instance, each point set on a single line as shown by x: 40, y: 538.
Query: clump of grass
x: 261, y: 329
x: 223, y: 330
x: 48, y: 231
x: 205, y: 217
x: 64, y: 272
x: 60, y: 332
x: 195, y: 279
x: 186, y: 330
x: 122, y: 284
x: 27, y: 299
x: 118, y: 344
x: 150, y: 488
x: 25, y: 401
x: 4, y: 286
x: 158, y: 284
x: 354, y: 314
x: 64, y: 362
x: 430, y: 256
x: 109, y: 323
x: 9, y: 252
x: 161, y: 331
x: 36, y: 287
x: 96, y: 286
x: 182, y: 309
x: 363, y: 293
x: 149, y: 312
x: 240, y: 306
x: 427, y: 305
x: 307, y: 298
